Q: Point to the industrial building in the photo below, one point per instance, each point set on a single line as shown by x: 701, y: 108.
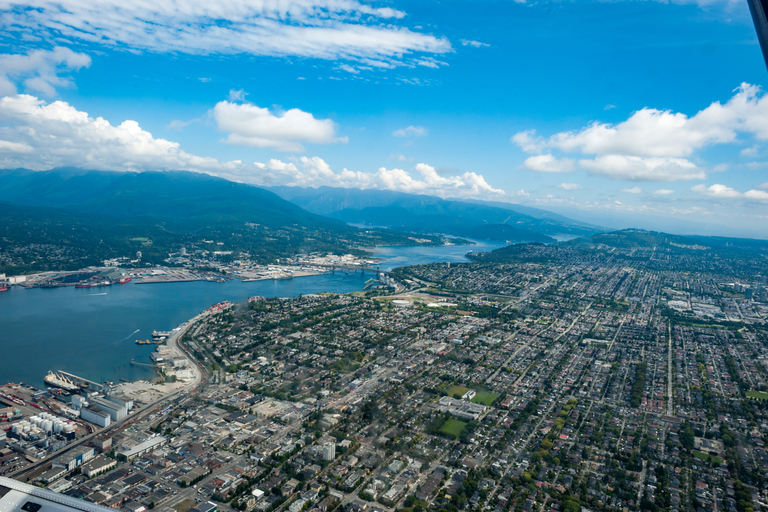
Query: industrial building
x: 130, y: 449
x: 98, y: 465
x: 103, y: 443
x: 96, y: 417
x: 73, y: 458
x: 116, y: 410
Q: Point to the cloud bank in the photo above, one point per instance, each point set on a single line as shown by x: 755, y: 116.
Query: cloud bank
x: 652, y: 144
x: 38, y: 135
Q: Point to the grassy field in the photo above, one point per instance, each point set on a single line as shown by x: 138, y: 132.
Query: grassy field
x: 453, y: 427
x: 760, y: 395
x: 485, y: 398
x: 707, y: 457
x: 457, y: 390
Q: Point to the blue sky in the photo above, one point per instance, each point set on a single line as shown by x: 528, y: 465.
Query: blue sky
x: 624, y: 113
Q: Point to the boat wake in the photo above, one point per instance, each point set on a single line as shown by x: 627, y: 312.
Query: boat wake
x: 134, y: 332
x: 95, y: 294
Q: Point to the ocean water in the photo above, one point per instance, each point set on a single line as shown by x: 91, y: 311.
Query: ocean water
x: 91, y: 332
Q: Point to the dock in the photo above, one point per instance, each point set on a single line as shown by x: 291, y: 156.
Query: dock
x: 95, y: 386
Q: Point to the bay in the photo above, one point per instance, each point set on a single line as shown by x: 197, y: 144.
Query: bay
x: 91, y: 332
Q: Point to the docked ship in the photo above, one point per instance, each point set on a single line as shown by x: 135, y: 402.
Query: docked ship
x: 124, y: 279
x: 93, y: 284
x: 3, y: 288
x: 59, y: 381
x: 148, y: 342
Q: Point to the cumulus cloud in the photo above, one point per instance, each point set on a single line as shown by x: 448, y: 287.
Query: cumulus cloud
x: 329, y: 29
x: 760, y: 195
x: 41, y: 71
x: 569, y: 186
x: 720, y: 191
x: 250, y: 125
x: 39, y: 135
x: 635, y: 168
x: 716, y: 190
x: 548, y: 163
x: 633, y: 190
x: 469, y: 184
x: 410, y: 131
x: 664, y: 192
x: 654, y: 145
x: 528, y: 141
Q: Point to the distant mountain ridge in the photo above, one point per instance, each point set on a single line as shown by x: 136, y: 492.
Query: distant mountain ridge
x: 180, y: 197
x: 90, y: 216
x: 429, y: 214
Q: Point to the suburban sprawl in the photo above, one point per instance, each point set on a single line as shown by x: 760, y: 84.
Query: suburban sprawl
x: 534, y: 378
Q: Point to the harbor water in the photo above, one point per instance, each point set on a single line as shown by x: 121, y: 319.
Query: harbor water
x: 92, y: 332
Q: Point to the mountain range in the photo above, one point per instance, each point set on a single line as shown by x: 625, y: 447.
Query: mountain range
x: 429, y: 214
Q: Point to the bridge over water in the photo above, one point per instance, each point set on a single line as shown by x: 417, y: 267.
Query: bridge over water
x: 347, y: 268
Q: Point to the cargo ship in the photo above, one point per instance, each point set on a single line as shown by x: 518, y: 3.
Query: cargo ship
x: 59, y: 381
x: 93, y: 284
x: 124, y: 279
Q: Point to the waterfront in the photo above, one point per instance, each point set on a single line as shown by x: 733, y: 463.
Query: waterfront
x: 92, y: 331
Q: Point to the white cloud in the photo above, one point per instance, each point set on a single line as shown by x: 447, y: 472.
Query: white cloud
x: 349, y: 69
x: 178, y: 124
x: 635, y: 168
x: 410, y: 131
x: 429, y: 63
x: 237, y: 95
x: 40, y: 71
x: 569, y: 186
x: 654, y: 144
x: 60, y: 135
x: 528, y: 141
x: 664, y: 192
x: 250, y: 125
x: 39, y: 135
x: 473, y: 44
x: 750, y: 151
x: 720, y: 191
x: 15, y: 147
x: 329, y: 29
x: 716, y: 190
x: 760, y: 195
x: 468, y: 184
x: 548, y: 163
x: 633, y: 190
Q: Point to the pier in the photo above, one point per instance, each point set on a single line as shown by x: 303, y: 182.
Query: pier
x: 95, y: 386
x: 142, y: 364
